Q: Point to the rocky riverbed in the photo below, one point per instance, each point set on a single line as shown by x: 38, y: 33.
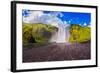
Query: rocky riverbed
x: 56, y: 52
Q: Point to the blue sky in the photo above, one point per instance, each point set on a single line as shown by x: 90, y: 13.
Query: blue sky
x: 48, y: 17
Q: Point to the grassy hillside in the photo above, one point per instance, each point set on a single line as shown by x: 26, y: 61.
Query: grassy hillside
x: 37, y: 33
x: 79, y: 34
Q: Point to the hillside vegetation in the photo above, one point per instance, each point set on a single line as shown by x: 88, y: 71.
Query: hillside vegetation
x: 41, y: 33
x: 79, y: 34
x: 37, y: 33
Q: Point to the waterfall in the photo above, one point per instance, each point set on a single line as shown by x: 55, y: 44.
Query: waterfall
x: 67, y: 35
x: 62, y: 35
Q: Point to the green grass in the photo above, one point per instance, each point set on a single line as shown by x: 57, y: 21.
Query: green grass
x: 39, y: 33
x: 80, y: 34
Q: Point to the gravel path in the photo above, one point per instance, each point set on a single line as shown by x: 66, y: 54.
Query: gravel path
x: 56, y: 52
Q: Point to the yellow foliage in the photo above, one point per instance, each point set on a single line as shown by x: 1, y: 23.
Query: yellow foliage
x: 79, y: 34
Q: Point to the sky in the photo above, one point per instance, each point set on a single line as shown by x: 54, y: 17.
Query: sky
x: 52, y: 17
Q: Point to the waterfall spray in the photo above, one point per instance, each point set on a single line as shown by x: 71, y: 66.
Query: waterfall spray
x: 62, y: 35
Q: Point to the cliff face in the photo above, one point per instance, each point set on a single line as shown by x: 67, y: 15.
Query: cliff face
x: 38, y: 33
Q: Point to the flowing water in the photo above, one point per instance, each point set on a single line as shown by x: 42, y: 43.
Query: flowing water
x: 62, y: 35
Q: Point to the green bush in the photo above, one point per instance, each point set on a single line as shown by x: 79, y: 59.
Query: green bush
x: 79, y: 34
x: 27, y: 32
x: 37, y: 33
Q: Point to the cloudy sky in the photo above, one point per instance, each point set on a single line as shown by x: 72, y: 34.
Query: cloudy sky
x: 52, y: 17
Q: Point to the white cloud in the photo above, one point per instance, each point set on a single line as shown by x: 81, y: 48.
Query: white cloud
x: 33, y: 17
x: 45, y: 18
x: 84, y: 24
x: 69, y: 21
x: 65, y: 22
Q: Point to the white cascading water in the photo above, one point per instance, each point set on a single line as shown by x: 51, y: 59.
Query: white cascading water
x: 62, y: 35
x: 67, y: 35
